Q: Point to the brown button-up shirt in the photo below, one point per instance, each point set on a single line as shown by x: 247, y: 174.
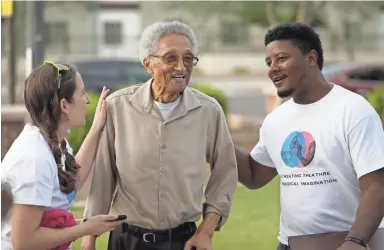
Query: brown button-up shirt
x: 154, y: 170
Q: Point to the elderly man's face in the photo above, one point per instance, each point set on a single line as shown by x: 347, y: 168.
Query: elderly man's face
x: 171, y: 66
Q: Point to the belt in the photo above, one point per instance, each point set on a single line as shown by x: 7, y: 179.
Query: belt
x: 182, y: 232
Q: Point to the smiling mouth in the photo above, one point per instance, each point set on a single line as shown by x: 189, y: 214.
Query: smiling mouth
x: 278, y: 80
x: 178, y: 77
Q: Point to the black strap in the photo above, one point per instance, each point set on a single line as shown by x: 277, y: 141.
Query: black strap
x: 357, y: 240
x: 181, y: 232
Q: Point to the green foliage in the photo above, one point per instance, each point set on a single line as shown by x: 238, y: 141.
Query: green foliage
x: 248, y: 12
x: 77, y: 135
x: 241, y: 71
x: 376, y: 99
x: 216, y: 94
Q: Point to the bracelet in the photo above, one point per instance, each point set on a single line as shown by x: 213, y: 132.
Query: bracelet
x: 357, y: 240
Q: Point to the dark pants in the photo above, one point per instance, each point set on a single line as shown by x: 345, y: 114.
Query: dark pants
x: 283, y: 247
x: 127, y: 237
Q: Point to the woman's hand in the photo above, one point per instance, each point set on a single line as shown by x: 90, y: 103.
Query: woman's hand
x: 101, y: 111
x: 99, y: 224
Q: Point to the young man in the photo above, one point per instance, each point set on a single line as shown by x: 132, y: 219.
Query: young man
x: 326, y: 143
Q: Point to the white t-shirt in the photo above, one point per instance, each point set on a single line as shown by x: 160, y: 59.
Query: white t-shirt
x: 31, y: 171
x: 167, y: 108
x: 319, y: 151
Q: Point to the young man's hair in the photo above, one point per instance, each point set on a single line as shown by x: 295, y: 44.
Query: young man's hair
x: 301, y: 35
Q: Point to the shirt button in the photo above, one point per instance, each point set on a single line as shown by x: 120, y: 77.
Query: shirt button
x: 163, y: 146
x: 162, y: 220
x: 162, y: 196
x: 162, y: 170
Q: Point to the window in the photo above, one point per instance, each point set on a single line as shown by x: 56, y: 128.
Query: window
x: 113, y: 33
x: 56, y: 34
x: 372, y: 74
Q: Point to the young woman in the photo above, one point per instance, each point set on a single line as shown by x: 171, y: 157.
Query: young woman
x: 39, y: 166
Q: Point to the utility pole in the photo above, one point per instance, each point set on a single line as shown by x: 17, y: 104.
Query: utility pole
x: 39, y: 53
x: 35, y: 52
x: 12, y: 56
x: 8, y: 15
x: 29, y: 33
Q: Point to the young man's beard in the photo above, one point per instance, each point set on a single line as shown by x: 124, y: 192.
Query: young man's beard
x: 285, y: 93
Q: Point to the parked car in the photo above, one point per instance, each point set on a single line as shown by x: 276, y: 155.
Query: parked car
x: 112, y: 73
x: 357, y: 77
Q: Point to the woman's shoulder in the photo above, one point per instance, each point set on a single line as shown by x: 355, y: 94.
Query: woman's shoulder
x: 28, y: 147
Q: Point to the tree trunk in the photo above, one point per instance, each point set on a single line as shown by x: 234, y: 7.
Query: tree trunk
x: 270, y: 11
x: 302, y: 12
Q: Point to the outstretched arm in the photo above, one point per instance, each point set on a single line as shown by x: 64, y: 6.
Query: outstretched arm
x: 253, y: 174
x: 256, y: 168
x: 87, y: 151
x: 105, y: 172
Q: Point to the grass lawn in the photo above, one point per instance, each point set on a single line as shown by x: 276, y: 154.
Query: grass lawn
x: 253, y: 223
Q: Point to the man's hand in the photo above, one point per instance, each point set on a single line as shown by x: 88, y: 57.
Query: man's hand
x: 348, y: 245
x: 209, y: 224
x: 200, y: 240
x: 88, y: 243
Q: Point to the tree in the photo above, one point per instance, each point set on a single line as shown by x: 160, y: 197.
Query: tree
x: 265, y: 14
x: 350, y: 25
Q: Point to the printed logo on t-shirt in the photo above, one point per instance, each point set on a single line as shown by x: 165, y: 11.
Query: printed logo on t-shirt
x: 298, y: 149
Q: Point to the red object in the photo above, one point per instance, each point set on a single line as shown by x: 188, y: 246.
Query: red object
x: 360, y: 78
x: 58, y: 218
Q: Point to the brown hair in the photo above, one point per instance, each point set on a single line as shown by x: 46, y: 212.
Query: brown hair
x: 42, y: 97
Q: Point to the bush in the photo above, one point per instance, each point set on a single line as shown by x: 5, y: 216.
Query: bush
x: 241, y: 71
x: 216, y: 94
x: 376, y: 99
x: 77, y: 136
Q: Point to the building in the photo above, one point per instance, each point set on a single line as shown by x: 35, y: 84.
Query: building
x: 89, y: 29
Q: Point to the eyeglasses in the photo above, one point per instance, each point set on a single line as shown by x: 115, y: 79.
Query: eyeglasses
x: 188, y: 60
x: 60, y: 68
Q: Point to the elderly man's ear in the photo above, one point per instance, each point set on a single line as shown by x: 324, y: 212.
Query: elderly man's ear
x: 148, y: 66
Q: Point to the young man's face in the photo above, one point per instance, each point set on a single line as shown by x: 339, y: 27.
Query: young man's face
x: 288, y: 66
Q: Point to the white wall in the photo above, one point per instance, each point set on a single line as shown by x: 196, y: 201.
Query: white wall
x: 131, y: 31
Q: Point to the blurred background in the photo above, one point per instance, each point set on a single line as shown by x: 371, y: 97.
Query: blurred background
x: 100, y: 38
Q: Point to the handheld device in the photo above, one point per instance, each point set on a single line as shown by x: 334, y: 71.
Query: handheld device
x: 120, y: 217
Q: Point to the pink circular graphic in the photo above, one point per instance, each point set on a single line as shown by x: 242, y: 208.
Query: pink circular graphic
x: 298, y: 149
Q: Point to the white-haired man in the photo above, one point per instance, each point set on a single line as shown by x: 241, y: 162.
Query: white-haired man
x: 152, y: 155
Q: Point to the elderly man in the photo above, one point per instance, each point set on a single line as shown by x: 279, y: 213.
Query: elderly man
x: 153, y: 153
